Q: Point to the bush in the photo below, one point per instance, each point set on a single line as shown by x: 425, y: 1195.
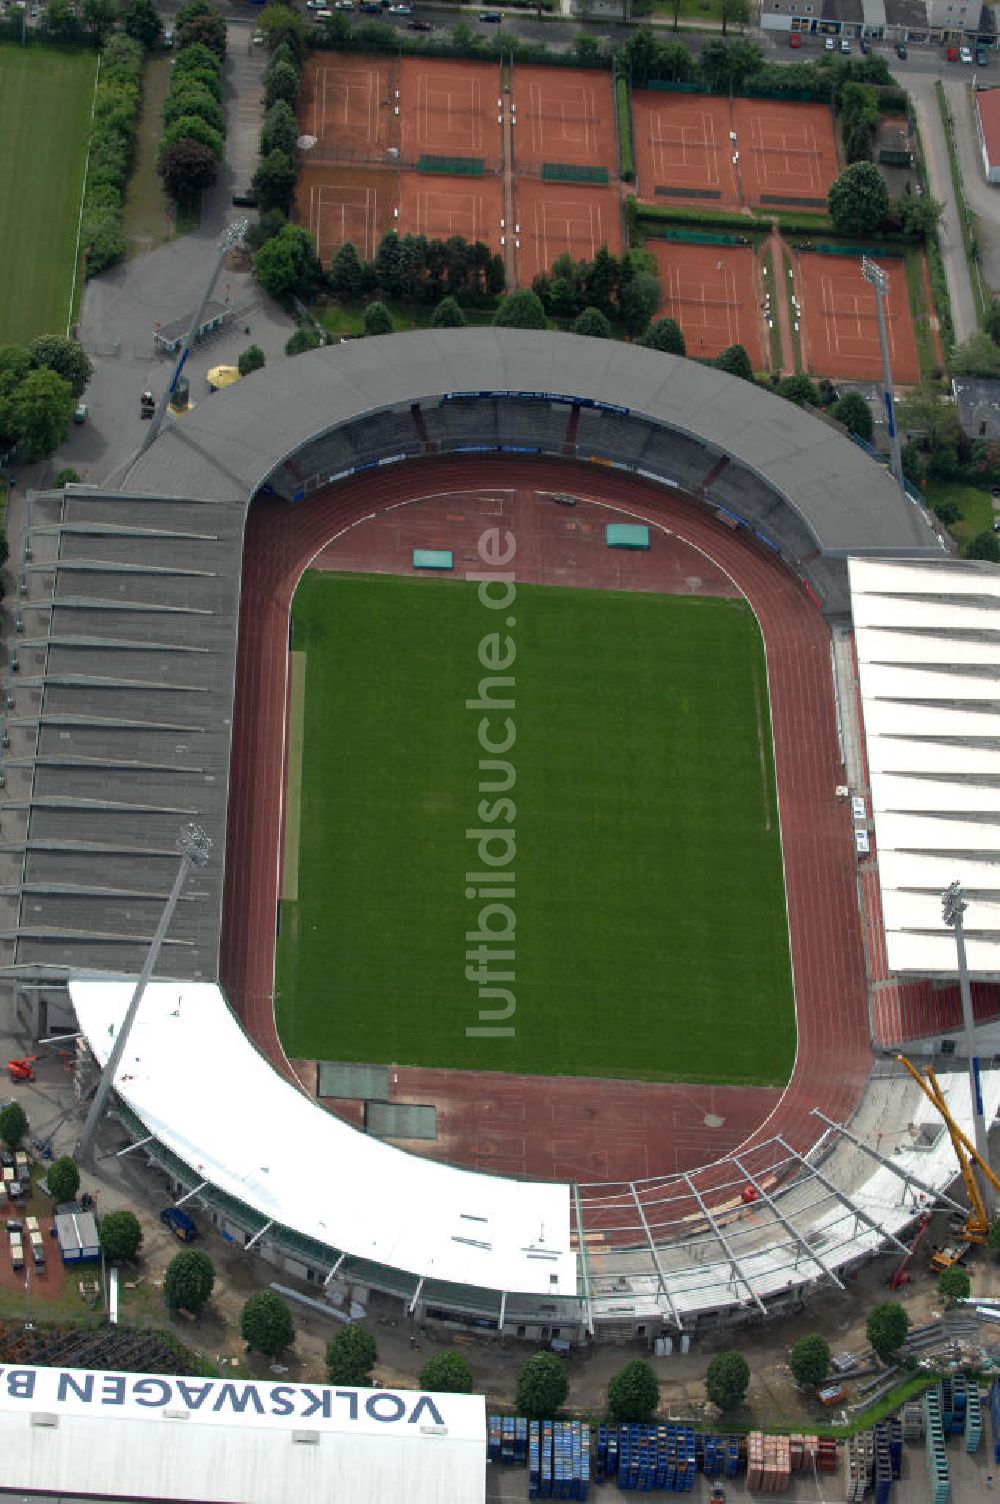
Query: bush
x: 624, y: 128
x: 251, y: 359
x: 810, y: 1360
x: 446, y: 1373
x: 351, y: 1354
x: 735, y: 360
x: 447, y: 314
x: 664, y: 335
x: 377, y: 319
x: 984, y: 546
x: 66, y: 477
x: 193, y: 128
x: 301, y: 341
x: 63, y: 1179
x: 193, y: 98
x: 948, y: 511
x: 953, y: 1285
x: 886, y: 1328
x: 542, y: 1387
x: 266, y: 1323
x: 853, y: 411
x: 102, y: 236
x: 520, y: 310
x: 798, y: 389
x: 120, y: 1235
x: 633, y: 1393
x: 593, y: 322
x: 189, y: 1280
x: 727, y: 1380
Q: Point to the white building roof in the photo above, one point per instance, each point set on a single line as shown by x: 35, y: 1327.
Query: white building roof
x: 196, y: 1081
x: 67, y: 1431
x: 927, y: 637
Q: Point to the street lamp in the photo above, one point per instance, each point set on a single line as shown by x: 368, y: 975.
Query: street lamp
x: 193, y: 848
x: 953, y: 906
x: 879, y: 280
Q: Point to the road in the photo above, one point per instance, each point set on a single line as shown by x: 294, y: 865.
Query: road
x: 982, y: 198
x: 923, y: 92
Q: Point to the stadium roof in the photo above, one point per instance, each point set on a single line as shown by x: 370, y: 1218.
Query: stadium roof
x: 231, y: 445
x: 147, y: 1436
x: 928, y: 645
x: 237, y: 1121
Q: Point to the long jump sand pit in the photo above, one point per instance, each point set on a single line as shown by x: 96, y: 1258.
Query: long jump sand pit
x: 558, y: 217
x: 841, y: 320
x: 564, y: 115
x: 439, y: 207
x: 712, y: 294
x: 448, y: 108
x: 682, y: 149
x: 337, y: 203
x: 348, y: 103
x: 787, y: 153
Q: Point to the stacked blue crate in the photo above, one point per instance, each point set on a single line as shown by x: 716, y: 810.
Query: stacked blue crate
x: 584, y: 1461
x: 882, y: 1463
x: 520, y: 1440
x: 937, y: 1462
x: 507, y: 1439
x: 995, y: 1417
x: 732, y: 1456
x: 534, y: 1459
x: 896, y: 1445
x: 959, y: 1392
x: 545, y: 1476
x: 713, y: 1456
x: 973, y: 1419
x: 493, y: 1438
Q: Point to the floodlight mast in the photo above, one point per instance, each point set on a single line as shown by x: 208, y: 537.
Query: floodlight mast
x: 231, y: 236
x: 878, y: 278
x: 953, y: 906
x: 193, y: 848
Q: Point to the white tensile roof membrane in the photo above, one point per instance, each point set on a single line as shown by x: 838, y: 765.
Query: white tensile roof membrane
x: 927, y: 637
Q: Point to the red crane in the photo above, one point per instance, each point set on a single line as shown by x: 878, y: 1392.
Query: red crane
x: 901, y: 1274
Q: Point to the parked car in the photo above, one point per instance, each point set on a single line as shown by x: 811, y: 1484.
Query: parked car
x: 794, y: 40
x: 80, y: 413
x: 343, y: 4
x: 901, y: 51
x: 829, y: 44
x: 418, y: 25
x: 845, y: 45
x: 492, y: 17
x: 401, y: 10
x: 951, y: 56
x: 966, y: 55
x: 982, y: 58
x: 168, y: 39
x: 371, y: 7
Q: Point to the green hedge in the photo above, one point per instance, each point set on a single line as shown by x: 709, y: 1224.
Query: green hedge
x: 109, y: 161
x: 624, y: 130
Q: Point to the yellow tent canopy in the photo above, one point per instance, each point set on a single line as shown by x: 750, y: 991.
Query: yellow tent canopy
x: 222, y: 376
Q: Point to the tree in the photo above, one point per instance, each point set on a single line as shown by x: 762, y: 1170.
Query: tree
x: 953, y: 1285
x: 727, y: 1380
x: 266, y: 1323
x: 991, y: 323
x: 637, y: 301
x: 200, y: 63
x: 388, y: 264
x: 664, y: 335
x: 287, y: 265
x: 13, y: 1125
x: 593, y: 322
x: 446, y: 1373
x: 858, y: 200
x: 208, y: 28
x: 187, y: 169
x: 351, y: 1355
x: 301, y: 341
x: 193, y: 98
x: 599, y: 279
x: 251, y: 359
x: 280, y: 23
x: 66, y: 357
x: 142, y: 23
x: 633, y: 1393
x: 59, y: 22
x: 520, y: 310
x: 260, y: 231
x: 448, y: 315
x: 194, y: 128
x: 377, y: 319
x: 347, y: 275
x: 917, y: 216
x: 274, y: 182
x: 798, y: 389
x: 859, y: 142
x: 41, y: 409
x: 979, y: 356
x: 810, y: 1360
x: 984, y: 546
x: 188, y: 1281
x: 542, y: 1384
x: 280, y: 131
x: 735, y: 361
x: 586, y: 48
x: 853, y: 411
x: 120, y: 1235
x: 282, y: 83
x: 99, y: 17
x: 886, y: 1329
x: 63, y: 1179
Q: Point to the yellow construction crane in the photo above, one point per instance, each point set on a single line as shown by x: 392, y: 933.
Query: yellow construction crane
x: 976, y: 1228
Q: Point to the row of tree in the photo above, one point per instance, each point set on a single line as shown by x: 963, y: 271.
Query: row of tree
x: 115, y: 121
x: 193, y: 140
x: 729, y: 66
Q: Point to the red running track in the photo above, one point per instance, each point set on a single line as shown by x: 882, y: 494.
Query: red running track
x: 558, y: 1126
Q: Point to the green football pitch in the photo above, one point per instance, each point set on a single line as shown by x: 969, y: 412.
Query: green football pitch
x: 45, y: 103
x: 651, y: 936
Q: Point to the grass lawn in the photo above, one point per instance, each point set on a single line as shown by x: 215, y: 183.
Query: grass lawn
x: 45, y: 102
x: 974, y: 502
x: 651, y: 930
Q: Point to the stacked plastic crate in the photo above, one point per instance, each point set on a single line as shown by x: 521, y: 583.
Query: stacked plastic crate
x: 973, y: 1419
x: 995, y: 1417
x: 937, y: 1462
x: 896, y: 1445
x: 882, y: 1474
x: 534, y: 1459
x: 826, y: 1455
x: 493, y: 1431
x: 855, y: 1471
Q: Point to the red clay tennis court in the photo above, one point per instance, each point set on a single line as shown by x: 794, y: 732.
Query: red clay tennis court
x: 348, y: 104
x: 338, y: 203
x: 711, y: 292
x: 449, y: 108
x: 787, y: 153
x: 558, y: 217
x: 841, y: 322
x: 564, y: 115
x: 441, y: 206
x: 682, y: 148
